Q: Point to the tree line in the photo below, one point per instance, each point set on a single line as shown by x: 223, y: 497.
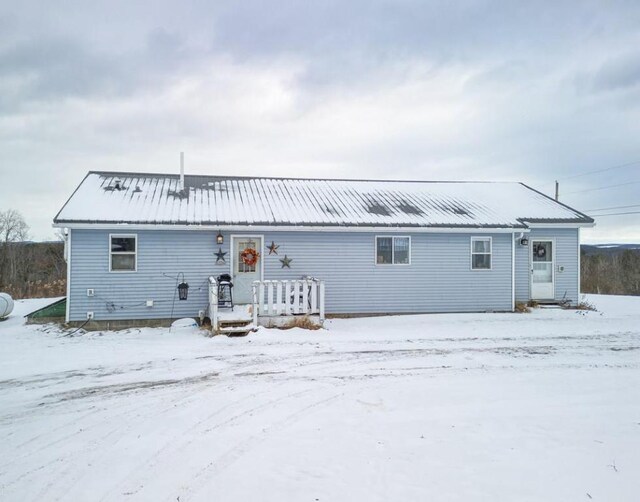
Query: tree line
x: 29, y: 269
x: 611, y: 273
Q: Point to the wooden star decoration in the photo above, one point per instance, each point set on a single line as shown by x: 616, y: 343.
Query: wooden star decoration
x: 286, y: 261
x: 273, y: 248
x: 220, y: 256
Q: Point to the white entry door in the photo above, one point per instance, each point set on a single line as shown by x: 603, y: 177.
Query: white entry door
x: 243, y: 274
x: 542, y: 276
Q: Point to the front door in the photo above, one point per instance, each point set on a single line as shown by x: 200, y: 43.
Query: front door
x: 244, y: 274
x: 542, y: 287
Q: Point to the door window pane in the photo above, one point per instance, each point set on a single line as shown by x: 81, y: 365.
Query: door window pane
x: 542, y: 272
x: 242, y: 266
x: 542, y: 251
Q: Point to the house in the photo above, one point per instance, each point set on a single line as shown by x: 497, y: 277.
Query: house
x: 375, y: 246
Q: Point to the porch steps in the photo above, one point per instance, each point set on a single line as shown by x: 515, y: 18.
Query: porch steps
x: 236, y: 327
x: 549, y: 305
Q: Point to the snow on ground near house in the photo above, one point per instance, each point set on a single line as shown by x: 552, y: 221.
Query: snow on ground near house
x: 544, y: 406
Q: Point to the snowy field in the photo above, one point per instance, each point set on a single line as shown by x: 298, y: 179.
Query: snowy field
x: 493, y: 407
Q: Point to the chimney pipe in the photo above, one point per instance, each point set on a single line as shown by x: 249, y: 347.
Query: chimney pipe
x: 181, y: 186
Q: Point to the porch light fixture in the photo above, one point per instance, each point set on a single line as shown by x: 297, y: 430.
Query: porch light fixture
x: 183, y: 291
x: 219, y: 238
x: 524, y: 241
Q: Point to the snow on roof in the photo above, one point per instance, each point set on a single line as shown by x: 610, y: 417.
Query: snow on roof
x: 138, y: 198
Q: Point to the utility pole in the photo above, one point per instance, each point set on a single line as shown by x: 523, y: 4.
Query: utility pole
x: 557, y: 190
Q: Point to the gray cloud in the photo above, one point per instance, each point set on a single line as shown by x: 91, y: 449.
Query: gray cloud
x: 619, y: 73
x: 53, y: 68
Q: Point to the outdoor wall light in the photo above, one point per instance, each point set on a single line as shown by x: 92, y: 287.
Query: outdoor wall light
x: 219, y: 238
x: 183, y: 291
x: 524, y: 241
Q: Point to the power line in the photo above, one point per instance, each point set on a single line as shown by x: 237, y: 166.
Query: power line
x: 605, y: 187
x: 614, y: 214
x: 619, y: 166
x: 614, y: 207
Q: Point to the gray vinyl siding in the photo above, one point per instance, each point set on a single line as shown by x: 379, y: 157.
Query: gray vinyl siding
x: 159, y: 253
x: 439, y: 278
x: 566, y: 256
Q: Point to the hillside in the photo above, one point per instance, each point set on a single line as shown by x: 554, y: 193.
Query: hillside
x: 608, y: 249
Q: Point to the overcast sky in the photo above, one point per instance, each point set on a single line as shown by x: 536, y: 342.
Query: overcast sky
x: 429, y: 90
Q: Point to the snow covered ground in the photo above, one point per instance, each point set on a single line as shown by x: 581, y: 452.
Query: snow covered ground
x: 490, y: 407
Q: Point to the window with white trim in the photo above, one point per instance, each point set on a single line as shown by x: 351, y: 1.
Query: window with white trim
x: 393, y: 250
x: 480, y: 253
x: 123, y: 253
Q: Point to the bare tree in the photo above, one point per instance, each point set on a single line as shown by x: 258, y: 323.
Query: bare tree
x: 13, y: 229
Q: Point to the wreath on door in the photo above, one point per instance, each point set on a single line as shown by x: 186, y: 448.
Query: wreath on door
x: 249, y: 256
x: 541, y: 251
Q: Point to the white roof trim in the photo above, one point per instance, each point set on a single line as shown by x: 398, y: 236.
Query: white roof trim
x: 561, y: 225
x: 126, y: 227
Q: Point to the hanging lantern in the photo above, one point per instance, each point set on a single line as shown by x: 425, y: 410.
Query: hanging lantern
x: 183, y: 291
x: 524, y: 241
x: 219, y: 238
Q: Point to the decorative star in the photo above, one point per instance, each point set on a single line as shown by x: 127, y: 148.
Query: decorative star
x: 273, y: 249
x: 286, y: 262
x: 220, y: 256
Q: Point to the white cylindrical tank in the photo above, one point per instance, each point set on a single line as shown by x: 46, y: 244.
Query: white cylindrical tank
x: 6, y: 305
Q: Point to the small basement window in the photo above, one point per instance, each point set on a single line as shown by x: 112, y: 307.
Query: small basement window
x: 393, y: 250
x: 123, y: 253
x: 480, y: 253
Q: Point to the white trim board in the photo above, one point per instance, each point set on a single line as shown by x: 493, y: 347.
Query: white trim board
x: 66, y: 314
x: 513, y: 271
x: 126, y: 227
x: 561, y: 225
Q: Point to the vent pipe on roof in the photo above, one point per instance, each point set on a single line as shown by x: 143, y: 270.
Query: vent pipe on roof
x: 181, y: 186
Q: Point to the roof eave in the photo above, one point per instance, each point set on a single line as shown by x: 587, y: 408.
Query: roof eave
x: 585, y: 222
x: 74, y: 224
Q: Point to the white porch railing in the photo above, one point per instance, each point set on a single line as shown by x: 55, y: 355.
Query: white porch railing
x: 213, y: 303
x: 275, y: 298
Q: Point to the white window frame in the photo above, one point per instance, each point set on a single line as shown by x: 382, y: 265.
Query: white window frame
x: 490, y: 253
x: 135, y: 253
x: 393, y: 250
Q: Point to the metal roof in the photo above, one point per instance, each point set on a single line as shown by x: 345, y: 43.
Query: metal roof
x: 156, y: 199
